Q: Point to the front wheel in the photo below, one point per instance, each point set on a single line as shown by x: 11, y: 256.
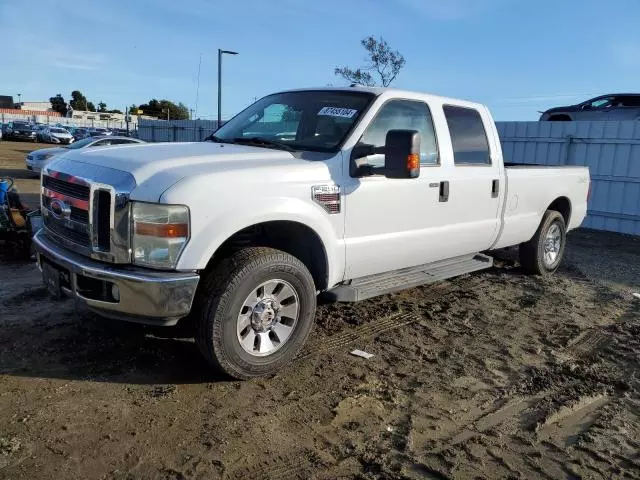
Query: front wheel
x: 254, y: 312
x: 542, y: 254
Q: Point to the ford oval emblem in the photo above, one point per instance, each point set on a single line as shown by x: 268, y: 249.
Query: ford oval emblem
x: 60, y: 209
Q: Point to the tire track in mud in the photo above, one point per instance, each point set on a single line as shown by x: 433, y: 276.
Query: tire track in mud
x: 560, y: 421
x: 374, y: 327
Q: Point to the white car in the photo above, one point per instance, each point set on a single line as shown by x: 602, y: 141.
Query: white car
x: 55, y: 135
x: 37, y: 159
x: 379, y: 190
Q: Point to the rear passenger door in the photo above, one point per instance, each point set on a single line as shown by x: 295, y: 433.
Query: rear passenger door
x: 477, y: 181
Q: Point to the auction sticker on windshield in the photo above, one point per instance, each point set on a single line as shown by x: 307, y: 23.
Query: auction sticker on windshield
x: 338, y: 112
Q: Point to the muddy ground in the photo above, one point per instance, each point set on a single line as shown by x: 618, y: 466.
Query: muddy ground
x: 493, y: 375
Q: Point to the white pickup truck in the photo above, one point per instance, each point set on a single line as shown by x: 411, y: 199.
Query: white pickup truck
x: 354, y: 192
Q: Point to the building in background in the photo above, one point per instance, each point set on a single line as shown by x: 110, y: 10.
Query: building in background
x: 34, y: 106
x: 6, y: 101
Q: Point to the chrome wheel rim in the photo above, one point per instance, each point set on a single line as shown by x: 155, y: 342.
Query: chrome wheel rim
x: 552, y: 244
x: 268, y: 317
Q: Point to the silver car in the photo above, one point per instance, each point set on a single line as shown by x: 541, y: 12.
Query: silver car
x: 37, y: 159
x: 55, y: 135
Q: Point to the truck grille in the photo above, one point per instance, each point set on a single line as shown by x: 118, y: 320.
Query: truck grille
x: 74, y: 190
x: 67, y: 212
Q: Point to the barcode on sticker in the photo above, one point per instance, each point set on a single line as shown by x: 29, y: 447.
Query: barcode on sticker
x: 337, y: 112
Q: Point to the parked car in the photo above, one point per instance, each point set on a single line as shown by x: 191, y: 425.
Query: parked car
x: 79, y: 133
x: 380, y: 190
x: 18, y: 131
x: 123, y: 132
x: 55, y: 135
x: 37, y: 159
x: 618, y: 106
x: 96, y: 132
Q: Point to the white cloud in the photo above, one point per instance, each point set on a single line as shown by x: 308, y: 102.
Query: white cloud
x: 76, y: 61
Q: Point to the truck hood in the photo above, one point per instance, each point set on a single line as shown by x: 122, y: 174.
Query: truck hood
x: 156, y: 167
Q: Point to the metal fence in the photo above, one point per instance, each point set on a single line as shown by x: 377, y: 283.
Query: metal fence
x: 175, y: 130
x: 611, y: 150
x: 198, y: 130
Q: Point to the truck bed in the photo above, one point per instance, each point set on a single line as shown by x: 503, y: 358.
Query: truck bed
x: 531, y: 189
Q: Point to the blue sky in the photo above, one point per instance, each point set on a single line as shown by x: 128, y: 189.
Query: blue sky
x: 516, y: 56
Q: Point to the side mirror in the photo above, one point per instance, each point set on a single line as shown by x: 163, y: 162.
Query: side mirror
x: 362, y: 150
x: 402, y: 154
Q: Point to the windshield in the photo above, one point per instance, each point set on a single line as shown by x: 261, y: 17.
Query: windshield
x: 80, y: 143
x: 58, y: 130
x: 26, y: 126
x: 316, y: 120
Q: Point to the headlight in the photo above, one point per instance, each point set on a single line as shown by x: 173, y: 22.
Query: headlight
x: 160, y: 233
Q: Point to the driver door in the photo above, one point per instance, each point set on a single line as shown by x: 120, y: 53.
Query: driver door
x: 396, y: 223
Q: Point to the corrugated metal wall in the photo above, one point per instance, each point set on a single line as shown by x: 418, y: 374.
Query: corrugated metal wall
x: 175, y: 130
x: 611, y: 150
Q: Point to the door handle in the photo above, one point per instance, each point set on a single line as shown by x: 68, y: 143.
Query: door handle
x: 444, y: 191
x: 495, y: 188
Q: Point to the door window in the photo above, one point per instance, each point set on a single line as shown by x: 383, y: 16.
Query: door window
x: 403, y: 115
x: 602, y: 102
x: 468, y: 137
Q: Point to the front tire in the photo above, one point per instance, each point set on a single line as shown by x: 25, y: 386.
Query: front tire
x: 543, y: 253
x: 254, y: 312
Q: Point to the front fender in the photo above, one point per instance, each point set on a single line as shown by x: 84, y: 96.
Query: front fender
x: 211, y: 227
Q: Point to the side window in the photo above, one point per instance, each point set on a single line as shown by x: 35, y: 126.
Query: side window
x: 403, y: 115
x: 101, y: 143
x: 602, y: 102
x: 468, y: 137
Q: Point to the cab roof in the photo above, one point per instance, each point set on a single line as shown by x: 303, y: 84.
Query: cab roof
x: 391, y: 92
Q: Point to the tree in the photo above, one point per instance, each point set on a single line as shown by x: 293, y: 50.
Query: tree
x: 91, y: 107
x: 158, y: 108
x: 382, y: 61
x: 58, y: 104
x: 78, y: 101
x: 102, y: 107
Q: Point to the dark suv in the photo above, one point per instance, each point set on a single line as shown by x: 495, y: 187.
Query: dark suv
x: 18, y: 131
x: 615, y: 106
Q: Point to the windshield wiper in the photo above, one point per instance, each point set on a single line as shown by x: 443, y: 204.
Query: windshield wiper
x: 213, y: 138
x: 263, y: 142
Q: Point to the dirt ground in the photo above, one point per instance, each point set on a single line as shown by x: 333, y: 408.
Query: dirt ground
x: 492, y: 375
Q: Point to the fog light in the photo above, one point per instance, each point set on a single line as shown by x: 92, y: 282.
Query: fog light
x: 115, y: 292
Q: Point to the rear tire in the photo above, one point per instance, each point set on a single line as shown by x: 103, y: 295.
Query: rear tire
x: 543, y: 253
x: 241, y: 326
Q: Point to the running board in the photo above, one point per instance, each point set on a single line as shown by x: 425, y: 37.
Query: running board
x: 381, y: 284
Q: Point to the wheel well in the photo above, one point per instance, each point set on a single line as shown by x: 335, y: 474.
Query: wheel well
x: 560, y: 118
x: 562, y: 205
x: 294, y: 238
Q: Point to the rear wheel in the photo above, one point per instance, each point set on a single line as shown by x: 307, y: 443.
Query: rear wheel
x: 254, y: 312
x: 543, y: 253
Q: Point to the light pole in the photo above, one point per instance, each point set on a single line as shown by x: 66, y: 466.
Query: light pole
x: 220, y: 53
x: 19, y: 98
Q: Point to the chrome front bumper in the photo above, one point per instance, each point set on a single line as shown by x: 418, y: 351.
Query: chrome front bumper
x: 144, y: 296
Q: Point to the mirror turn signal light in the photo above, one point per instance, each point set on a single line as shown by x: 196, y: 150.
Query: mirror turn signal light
x: 413, y: 161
